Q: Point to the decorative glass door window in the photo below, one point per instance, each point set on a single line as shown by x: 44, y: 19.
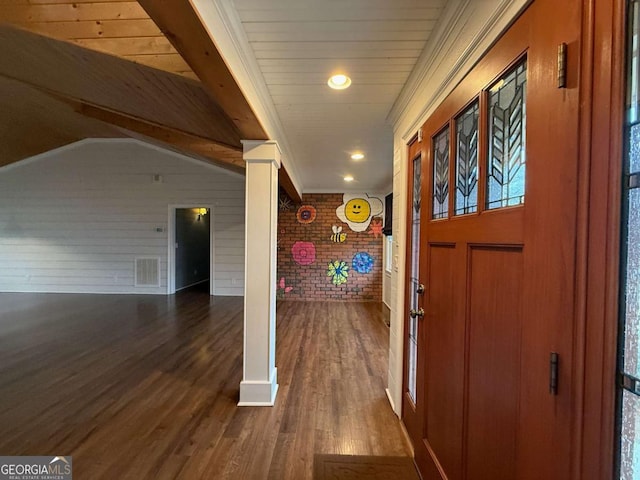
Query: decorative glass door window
x: 629, y: 364
x: 506, y: 161
x: 415, y: 281
x: 441, y: 174
x: 466, y: 176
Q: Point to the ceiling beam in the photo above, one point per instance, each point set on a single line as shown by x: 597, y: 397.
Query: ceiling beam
x: 218, y: 153
x: 284, y: 180
x: 222, y: 155
x: 183, y: 27
x: 181, y: 24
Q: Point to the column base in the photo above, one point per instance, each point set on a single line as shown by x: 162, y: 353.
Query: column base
x: 259, y: 393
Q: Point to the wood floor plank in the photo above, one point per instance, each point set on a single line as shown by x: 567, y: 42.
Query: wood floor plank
x: 137, y: 387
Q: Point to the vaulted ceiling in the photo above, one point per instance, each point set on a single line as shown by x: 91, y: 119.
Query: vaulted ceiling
x: 200, y: 75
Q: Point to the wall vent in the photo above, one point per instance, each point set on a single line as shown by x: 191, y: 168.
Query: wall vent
x: 147, y: 272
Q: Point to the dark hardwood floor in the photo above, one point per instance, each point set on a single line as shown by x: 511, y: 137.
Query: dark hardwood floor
x: 145, y: 387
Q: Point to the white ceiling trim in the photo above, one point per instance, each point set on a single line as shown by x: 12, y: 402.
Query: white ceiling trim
x: 221, y: 20
x: 505, y: 12
x: 451, y: 25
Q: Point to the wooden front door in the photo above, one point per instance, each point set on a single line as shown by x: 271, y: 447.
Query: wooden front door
x: 498, y: 196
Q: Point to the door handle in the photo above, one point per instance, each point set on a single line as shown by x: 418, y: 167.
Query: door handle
x: 416, y: 313
x: 420, y: 289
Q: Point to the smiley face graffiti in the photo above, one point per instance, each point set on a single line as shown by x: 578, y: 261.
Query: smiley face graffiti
x: 358, y: 209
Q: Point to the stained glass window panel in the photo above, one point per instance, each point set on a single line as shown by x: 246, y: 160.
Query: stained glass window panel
x: 634, y: 148
x: 630, y: 444
x: 466, y: 198
x: 441, y: 174
x: 415, y: 275
x: 629, y: 414
x: 507, y: 139
x: 632, y: 300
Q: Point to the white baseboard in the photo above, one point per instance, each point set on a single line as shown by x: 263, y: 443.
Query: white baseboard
x: 393, y: 405
x: 259, y: 393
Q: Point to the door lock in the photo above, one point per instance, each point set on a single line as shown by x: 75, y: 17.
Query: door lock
x: 416, y: 313
x: 420, y: 289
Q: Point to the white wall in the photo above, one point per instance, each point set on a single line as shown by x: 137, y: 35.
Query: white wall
x: 74, y: 219
x: 386, y: 275
x: 466, y: 31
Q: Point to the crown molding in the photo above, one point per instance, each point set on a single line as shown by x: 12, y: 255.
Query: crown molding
x: 223, y: 23
x: 450, y: 25
x: 432, y: 58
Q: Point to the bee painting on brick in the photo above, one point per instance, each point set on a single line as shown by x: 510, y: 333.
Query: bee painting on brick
x: 337, y: 236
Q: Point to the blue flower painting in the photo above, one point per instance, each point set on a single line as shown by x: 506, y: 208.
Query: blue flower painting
x: 362, y: 262
x: 338, y: 271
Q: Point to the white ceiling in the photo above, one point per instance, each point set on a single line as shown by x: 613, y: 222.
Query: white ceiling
x: 297, y: 44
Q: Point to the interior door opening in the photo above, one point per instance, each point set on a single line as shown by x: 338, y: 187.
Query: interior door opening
x: 191, y: 259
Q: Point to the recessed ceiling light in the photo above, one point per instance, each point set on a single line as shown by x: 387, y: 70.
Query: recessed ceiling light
x: 339, y: 82
x: 348, y: 178
x: 357, y: 156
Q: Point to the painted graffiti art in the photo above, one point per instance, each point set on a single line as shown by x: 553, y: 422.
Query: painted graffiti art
x: 338, y: 271
x: 337, y: 236
x: 282, y: 288
x: 304, y: 253
x: 362, y: 262
x: 357, y: 210
x: 375, y: 229
x: 306, y: 214
x: 285, y: 203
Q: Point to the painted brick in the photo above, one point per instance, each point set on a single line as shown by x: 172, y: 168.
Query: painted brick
x: 310, y: 282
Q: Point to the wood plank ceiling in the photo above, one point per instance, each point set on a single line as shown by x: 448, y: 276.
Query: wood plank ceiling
x: 118, y: 27
x: 298, y: 44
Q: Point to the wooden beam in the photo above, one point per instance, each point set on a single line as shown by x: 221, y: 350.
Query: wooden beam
x: 222, y: 155
x: 226, y: 156
x: 181, y: 24
x: 284, y: 180
x: 75, y: 30
x: 71, y: 11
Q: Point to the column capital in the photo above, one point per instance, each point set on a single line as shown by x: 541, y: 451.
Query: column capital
x: 261, y: 151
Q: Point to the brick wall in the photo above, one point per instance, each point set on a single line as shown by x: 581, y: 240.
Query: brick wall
x: 311, y: 282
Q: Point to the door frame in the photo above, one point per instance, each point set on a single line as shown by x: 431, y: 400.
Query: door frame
x: 171, y: 242
x: 601, y: 76
x: 598, y: 244
x: 416, y: 146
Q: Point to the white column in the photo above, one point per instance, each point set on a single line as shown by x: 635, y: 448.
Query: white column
x: 259, y: 384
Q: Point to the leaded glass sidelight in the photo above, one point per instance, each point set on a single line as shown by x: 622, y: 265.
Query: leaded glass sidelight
x: 629, y: 363
x: 441, y: 174
x: 507, y: 139
x: 466, y: 197
x: 415, y: 273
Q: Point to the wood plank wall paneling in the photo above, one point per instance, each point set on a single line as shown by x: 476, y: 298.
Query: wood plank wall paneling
x: 117, y: 27
x: 73, y: 222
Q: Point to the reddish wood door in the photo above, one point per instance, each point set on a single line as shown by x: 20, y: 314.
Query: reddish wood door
x: 497, y: 258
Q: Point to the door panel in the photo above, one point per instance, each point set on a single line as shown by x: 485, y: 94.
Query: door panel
x: 494, y: 324
x: 443, y: 398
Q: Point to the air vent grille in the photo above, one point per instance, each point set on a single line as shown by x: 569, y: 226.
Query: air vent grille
x: 147, y: 272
